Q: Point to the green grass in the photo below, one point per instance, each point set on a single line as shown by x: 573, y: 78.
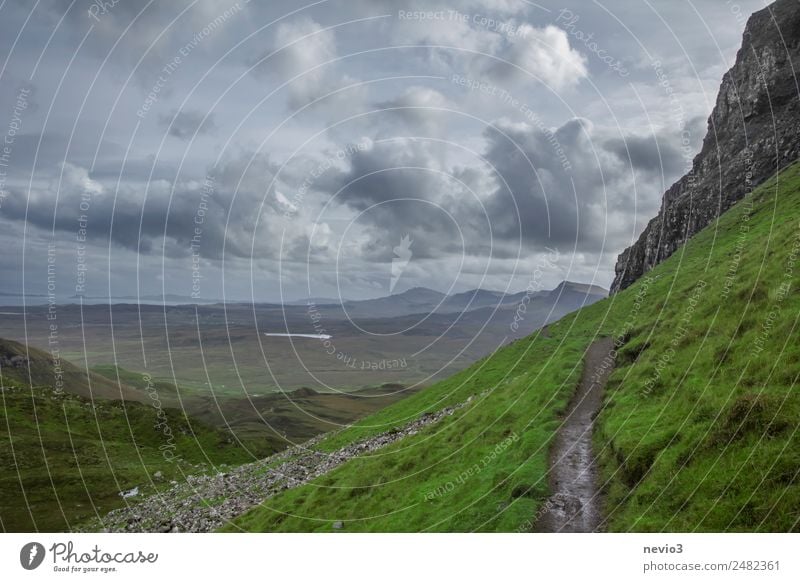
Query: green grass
x: 698, y: 430
x: 67, y: 459
x: 164, y: 388
x: 40, y: 369
x: 507, y: 404
x: 711, y: 444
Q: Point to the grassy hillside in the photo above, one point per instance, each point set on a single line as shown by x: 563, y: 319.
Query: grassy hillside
x: 29, y: 366
x: 699, y: 426
x: 69, y: 456
x: 167, y: 391
x: 66, y: 458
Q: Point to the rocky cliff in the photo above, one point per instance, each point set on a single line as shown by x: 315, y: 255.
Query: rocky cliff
x: 753, y: 131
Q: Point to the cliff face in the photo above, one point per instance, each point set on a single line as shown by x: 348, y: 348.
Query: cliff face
x: 753, y: 131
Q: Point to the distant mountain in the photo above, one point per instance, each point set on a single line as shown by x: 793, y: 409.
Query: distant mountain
x: 421, y: 300
x: 492, y: 313
x: 419, y: 296
x: 416, y: 300
x: 474, y: 299
x: 584, y: 288
x: 571, y: 296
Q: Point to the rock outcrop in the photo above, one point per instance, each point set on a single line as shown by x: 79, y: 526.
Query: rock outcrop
x: 753, y: 131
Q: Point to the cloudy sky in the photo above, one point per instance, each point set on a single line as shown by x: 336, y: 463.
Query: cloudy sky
x: 268, y: 150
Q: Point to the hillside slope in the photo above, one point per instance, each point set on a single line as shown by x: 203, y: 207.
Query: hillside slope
x: 698, y: 430
x: 66, y: 459
x: 30, y: 366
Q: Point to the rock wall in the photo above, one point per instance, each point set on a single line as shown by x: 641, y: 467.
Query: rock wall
x: 753, y: 131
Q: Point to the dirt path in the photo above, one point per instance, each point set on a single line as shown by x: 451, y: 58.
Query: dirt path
x: 574, y: 505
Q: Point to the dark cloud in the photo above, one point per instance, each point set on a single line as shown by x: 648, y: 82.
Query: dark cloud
x: 567, y: 188
x: 188, y: 124
x: 159, y: 217
x: 648, y: 153
x: 552, y: 184
x: 399, y: 187
x: 479, y: 195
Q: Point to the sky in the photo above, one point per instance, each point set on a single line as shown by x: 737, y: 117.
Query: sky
x: 273, y: 151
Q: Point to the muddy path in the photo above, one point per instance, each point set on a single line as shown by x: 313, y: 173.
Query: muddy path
x: 575, y: 503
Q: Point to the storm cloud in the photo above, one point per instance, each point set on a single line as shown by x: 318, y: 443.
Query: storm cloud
x: 230, y: 132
